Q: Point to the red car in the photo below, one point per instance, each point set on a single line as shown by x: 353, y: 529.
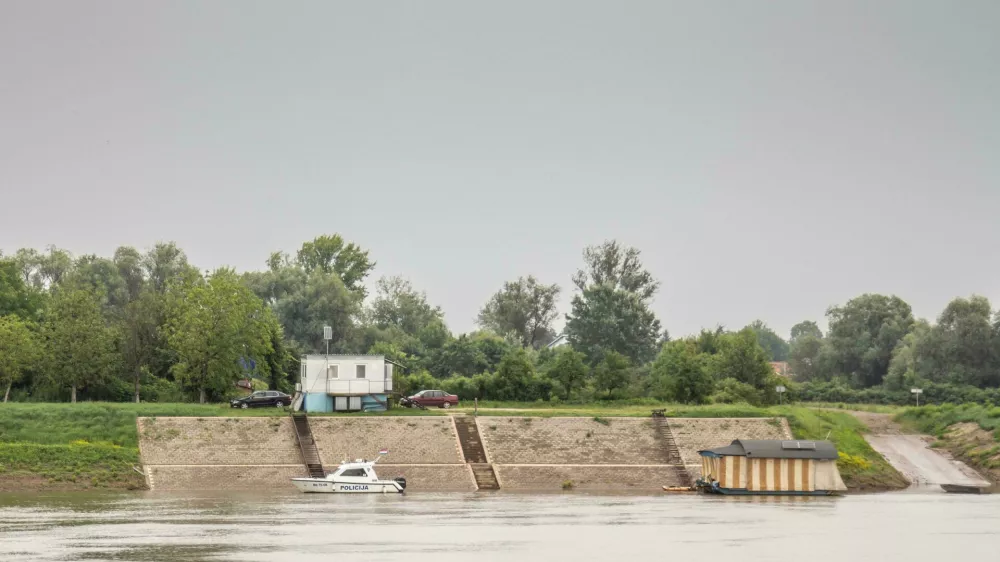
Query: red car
x: 429, y: 398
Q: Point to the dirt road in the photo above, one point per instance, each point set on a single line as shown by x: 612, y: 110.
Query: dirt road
x: 912, y: 455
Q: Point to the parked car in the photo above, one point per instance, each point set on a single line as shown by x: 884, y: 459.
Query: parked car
x: 262, y: 398
x: 429, y: 398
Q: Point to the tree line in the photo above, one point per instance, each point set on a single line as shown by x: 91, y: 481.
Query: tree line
x: 151, y: 326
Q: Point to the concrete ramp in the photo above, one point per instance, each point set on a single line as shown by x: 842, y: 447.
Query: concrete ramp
x: 923, y: 466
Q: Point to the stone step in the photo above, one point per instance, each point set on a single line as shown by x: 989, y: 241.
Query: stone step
x: 486, y: 478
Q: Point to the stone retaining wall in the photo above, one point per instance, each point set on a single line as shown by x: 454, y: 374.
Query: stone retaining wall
x: 218, y: 441
x: 622, y: 478
x: 696, y: 434
x: 528, y: 453
x: 410, y: 439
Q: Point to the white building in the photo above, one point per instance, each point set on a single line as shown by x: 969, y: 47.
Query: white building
x: 345, y: 383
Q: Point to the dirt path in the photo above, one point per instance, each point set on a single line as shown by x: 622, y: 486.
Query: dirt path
x: 912, y: 455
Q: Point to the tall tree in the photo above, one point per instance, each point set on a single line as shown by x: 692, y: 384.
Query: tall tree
x: 80, y: 343
x: 605, y: 319
x: 805, y: 358
x: 140, y: 336
x: 316, y: 300
x: 166, y: 263
x: 16, y: 296
x: 212, y: 326
x: 331, y: 254
x: 805, y: 328
x: 863, y: 334
x: 524, y: 308
x: 680, y: 374
x: 742, y: 358
x: 618, y: 266
x: 773, y: 344
x: 398, y: 304
x: 20, y: 349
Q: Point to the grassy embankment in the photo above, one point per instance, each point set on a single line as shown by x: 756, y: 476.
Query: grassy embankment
x: 969, y: 431
x: 78, y: 446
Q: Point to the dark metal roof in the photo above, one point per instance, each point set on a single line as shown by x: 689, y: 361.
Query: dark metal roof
x: 773, y: 449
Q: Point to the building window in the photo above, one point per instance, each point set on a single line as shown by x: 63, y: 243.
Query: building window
x: 361, y: 371
x: 333, y: 371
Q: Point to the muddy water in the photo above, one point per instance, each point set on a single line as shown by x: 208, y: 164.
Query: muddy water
x: 483, y: 527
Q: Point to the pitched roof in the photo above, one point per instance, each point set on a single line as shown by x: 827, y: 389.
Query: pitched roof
x: 774, y: 449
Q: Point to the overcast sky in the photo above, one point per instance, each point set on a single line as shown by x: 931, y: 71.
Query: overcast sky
x: 768, y: 158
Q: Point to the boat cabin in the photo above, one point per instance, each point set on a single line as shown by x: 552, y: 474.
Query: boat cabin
x: 771, y: 467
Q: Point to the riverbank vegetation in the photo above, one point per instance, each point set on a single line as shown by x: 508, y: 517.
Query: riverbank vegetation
x: 150, y: 326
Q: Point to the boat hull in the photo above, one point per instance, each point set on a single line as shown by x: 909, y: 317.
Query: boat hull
x: 744, y: 492
x: 324, y: 486
x: 961, y: 489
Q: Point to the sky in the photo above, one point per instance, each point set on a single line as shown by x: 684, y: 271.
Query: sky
x: 769, y: 159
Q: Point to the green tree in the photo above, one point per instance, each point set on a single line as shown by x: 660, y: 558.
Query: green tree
x: 863, y: 334
x: 804, y: 329
x: 912, y: 359
x: 515, y: 376
x: 806, y: 360
x: 742, y: 358
x: 331, y: 254
x: 398, y: 304
x: 20, y: 350
x: 605, y: 319
x: 140, y: 336
x: 80, y: 343
x: 679, y: 373
x: 618, y: 266
x: 525, y: 309
x: 16, y: 296
x: 773, y: 344
x: 214, y: 324
x: 568, y: 369
x: 612, y: 373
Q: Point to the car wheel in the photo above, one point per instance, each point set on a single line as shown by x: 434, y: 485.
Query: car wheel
x: 279, y: 404
x: 446, y: 405
x: 244, y: 405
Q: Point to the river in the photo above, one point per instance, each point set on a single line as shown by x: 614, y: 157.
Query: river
x: 483, y: 527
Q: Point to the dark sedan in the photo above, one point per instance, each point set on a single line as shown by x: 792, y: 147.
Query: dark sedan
x: 260, y: 398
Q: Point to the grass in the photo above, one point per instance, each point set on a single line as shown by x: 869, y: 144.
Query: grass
x: 935, y: 420
x: 860, y: 466
x: 78, y: 465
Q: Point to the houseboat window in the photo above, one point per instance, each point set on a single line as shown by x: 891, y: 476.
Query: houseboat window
x: 355, y: 472
x: 361, y: 371
x: 333, y: 371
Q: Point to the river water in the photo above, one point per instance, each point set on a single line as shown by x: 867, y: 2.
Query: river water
x: 483, y: 527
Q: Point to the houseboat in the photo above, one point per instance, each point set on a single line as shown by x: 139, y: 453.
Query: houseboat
x: 773, y: 468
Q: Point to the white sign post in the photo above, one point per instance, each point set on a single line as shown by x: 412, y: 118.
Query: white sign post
x: 781, y: 391
x: 916, y: 393
x: 327, y: 335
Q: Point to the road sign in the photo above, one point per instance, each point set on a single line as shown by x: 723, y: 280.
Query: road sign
x: 916, y: 394
x: 780, y: 388
x: 327, y: 333
x: 781, y: 391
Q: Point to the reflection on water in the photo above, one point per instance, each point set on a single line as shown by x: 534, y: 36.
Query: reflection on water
x: 483, y: 527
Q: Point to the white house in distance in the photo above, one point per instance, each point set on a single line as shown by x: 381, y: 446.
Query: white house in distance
x: 342, y: 383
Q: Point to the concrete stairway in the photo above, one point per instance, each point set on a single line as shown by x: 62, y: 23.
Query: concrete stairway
x: 672, y: 455
x: 475, y: 453
x: 310, y: 454
x: 486, y: 479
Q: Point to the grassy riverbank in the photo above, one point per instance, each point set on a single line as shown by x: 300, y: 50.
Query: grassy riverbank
x: 969, y: 431
x: 96, y: 444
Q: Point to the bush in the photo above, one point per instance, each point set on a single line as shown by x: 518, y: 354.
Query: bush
x: 732, y: 391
